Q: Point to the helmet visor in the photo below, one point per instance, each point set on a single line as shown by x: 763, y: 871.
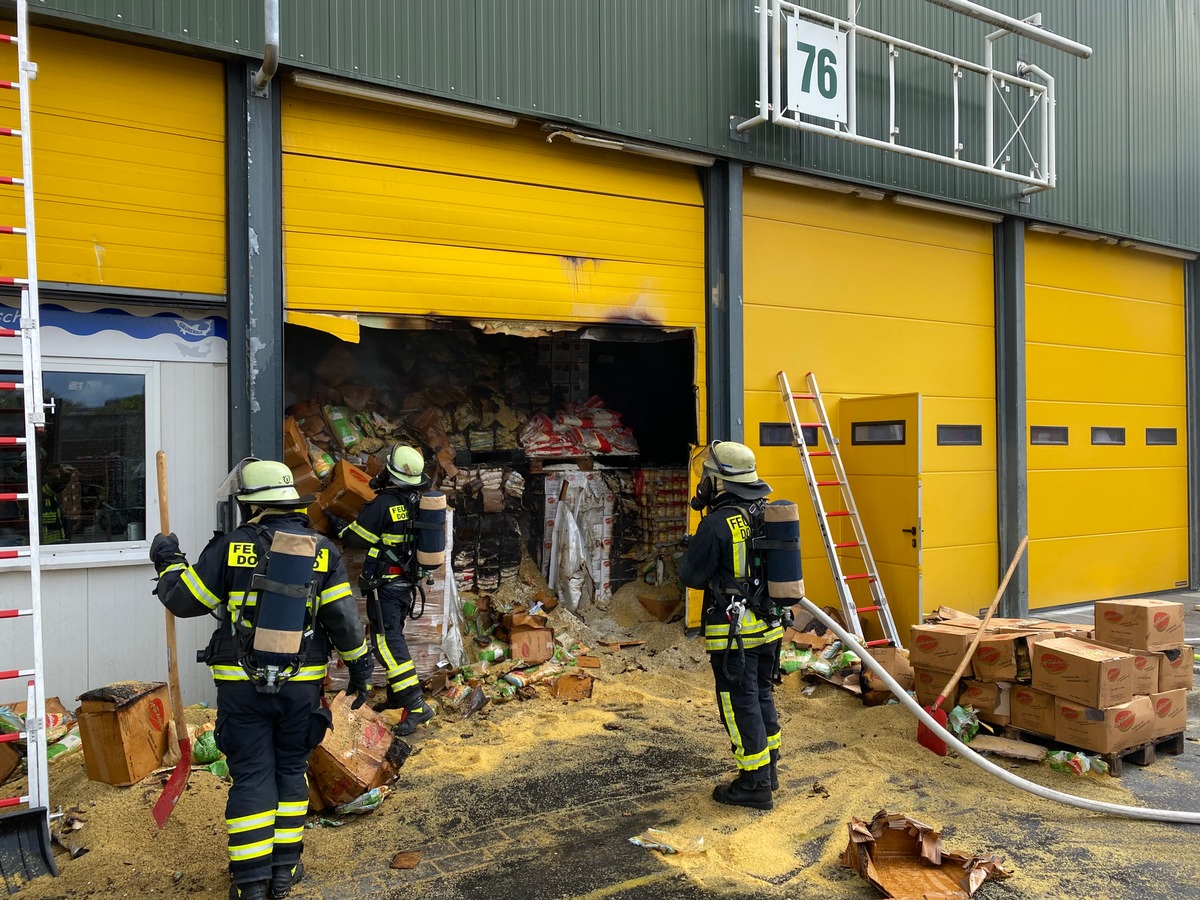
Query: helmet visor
x: 702, y: 463
x: 232, y: 483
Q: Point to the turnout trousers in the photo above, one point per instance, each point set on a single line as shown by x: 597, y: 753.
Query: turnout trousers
x: 387, y: 609
x: 747, y: 707
x: 267, y: 739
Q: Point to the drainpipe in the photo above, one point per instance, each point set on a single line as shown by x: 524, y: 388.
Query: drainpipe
x: 262, y: 78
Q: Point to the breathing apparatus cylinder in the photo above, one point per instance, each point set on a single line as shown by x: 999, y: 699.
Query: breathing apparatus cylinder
x: 781, y: 527
x: 283, y: 591
x: 431, y: 530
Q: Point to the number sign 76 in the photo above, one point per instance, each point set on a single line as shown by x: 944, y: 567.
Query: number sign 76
x: 826, y: 60
x: 816, y: 71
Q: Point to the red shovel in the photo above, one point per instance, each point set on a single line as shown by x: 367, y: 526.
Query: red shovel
x: 178, y: 780
x: 925, y: 736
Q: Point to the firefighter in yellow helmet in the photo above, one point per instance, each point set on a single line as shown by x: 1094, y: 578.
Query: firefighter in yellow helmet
x: 742, y: 637
x: 391, y: 577
x: 280, y: 593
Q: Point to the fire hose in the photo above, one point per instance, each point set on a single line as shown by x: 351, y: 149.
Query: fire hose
x: 1113, y: 809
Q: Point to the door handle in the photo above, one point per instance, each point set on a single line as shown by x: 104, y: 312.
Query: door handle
x: 913, y: 532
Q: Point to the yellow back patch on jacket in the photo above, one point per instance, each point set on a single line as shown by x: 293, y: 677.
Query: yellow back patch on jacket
x: 245, y: 556
x: 399, y: 513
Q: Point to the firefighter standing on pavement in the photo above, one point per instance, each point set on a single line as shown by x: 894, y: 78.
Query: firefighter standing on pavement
x: 742, y: 635
x: 269, y: 717
x: 386, y: 528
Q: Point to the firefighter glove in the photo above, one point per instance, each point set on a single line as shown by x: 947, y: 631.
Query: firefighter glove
x: 361, y: 670
x: 164, y: 551
x: 339, y: 524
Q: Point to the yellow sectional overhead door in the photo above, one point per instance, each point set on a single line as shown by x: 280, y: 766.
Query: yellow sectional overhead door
x: 1107, y: 415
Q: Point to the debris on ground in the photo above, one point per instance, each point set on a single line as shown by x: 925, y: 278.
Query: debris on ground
x: 1075, y: 762
x: 904, y: 859
x: 664, y: 842
x: 407, y: 859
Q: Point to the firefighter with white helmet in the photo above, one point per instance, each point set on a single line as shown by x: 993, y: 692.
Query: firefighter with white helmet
x: 742, y: 634
x: 282, y: 598
x: 387, y: 528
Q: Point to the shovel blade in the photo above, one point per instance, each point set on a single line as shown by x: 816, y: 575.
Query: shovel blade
x: 925, y: 736
x: 175, y: 784
x: 25, y: 851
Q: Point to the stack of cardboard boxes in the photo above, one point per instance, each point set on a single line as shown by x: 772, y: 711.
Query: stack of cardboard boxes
x: 1120, y: 685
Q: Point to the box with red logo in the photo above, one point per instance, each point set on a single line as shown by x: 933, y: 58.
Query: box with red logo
x: 1086, y: 673
x: 1175, y: 668
x: 1142, y: 623
x: 926, y: 685
x: 992, y: 702
x: 1145, y: 667
x: 1104, y: 730
x: 123, y: 727
x: 1170, y: 712
x: 1032, y: 710
x: 1003, y: 657
x: 940, y: 647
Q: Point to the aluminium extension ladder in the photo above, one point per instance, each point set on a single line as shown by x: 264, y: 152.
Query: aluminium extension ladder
x: 848, y: 511
x: 26, y: 823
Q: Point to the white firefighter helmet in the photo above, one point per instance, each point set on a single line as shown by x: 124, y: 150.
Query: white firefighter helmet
x: 727, y: 460
x: 406, y: 465
x: 262, y: 482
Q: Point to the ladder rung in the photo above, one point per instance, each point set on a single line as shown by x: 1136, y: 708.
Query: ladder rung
x: 9, y: 86
x: 810, y: 424
x: 10, y: 497
x: 15, y: 613
x: 12, y: 441
x: 828, y: 483
x: 804, y: 397
x: 845, y: 544
x: 13, y: 801
x: 882, y: 643
x: 11, y: 386
x: 11, y: 229
x: 12, y: 736
x: 8, y: 279
x: 832, y: 515
x: 10, y: 332
x: 859, y: 577
x: 16, y: 673
x: 11, y: 179
x: 8, y: 39
x: 10, y: 132
x: 867, y: 608
x: 820, y: 453
x: 13, y: 554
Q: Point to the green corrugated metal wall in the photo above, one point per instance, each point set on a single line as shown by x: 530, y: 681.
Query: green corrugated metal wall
x: 675, y: 71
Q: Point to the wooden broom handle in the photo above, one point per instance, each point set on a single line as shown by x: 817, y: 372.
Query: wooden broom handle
x: 164, y: 525
x: 962, y: 665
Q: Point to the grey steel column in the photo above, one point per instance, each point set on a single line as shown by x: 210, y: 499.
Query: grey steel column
x: 723, y: 282
x: 1012, y: 458
x: 1191, y: 305
x: 254, y: 179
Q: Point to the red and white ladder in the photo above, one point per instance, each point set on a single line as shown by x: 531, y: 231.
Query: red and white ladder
x: 848, y: 511
x: 38, y: 797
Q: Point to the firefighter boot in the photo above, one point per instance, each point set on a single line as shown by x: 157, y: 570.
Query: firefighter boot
x: 750, y: 789
x: 419, y: 712
x: 774, y: 770
x: 282, y: 879
x: 250, y: 890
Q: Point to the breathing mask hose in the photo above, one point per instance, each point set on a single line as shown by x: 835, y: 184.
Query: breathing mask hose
x: 1114, y: 809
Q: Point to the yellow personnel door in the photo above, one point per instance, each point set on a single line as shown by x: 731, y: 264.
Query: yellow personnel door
x: 880, y: 446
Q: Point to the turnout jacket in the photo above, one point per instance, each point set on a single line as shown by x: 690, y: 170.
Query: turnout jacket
x: 219, y: 583
x: 717, y: 558
x: 387, y: 523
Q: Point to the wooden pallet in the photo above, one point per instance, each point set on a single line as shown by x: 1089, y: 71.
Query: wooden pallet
x: 1141, y: 755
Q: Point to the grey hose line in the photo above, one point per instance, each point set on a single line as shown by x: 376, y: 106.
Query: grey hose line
x: 1114, y: 809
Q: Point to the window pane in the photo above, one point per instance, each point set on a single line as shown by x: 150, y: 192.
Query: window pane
x: 1048, y: 434
x: 1112, y: 436
x: 774, y: 434
x: 960, y: 435
x: 91, y: 460
x: 1161, y: 437
x: 877, y: 432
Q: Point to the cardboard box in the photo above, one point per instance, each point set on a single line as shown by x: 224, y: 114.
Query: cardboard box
x: 1032, y: 710
x: 1104, y: 730
x: 123, y: 727
x: 353, y: 758
x: 348, y: 491
x: 926, y: 685
x: 1085, y: 673
x: 895, y: 662
x: 940, y: 647
x: 295, y: 448
x: 9, y: 760
x: 1142, y: 623
x: 661, y: 607
x: 1170, y: 712
x: 1176, y: 669
x: 1002, y: 657
x: 1145, y: 668
x: 530, y: 639
x: 305, y: 479
x: 572, y: 686
x: 992, y: 702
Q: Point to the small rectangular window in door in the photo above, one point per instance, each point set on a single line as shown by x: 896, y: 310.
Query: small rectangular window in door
x: 1055, y: 435
x: 1161, y: 437
x: 877, y: 432
x: 779, y: 434
x: 960, y: 435
x: 1109, y: 436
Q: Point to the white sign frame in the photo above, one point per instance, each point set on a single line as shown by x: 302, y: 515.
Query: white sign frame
x: 816, y: 73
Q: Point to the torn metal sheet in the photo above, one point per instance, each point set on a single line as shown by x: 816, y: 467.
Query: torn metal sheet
x: 904, y: 859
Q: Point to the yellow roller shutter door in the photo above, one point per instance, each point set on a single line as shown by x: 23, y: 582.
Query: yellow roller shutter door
x: 878, y: 299
x: 394, y: 213
x: 1105, y: 350
x: 129, y: 166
